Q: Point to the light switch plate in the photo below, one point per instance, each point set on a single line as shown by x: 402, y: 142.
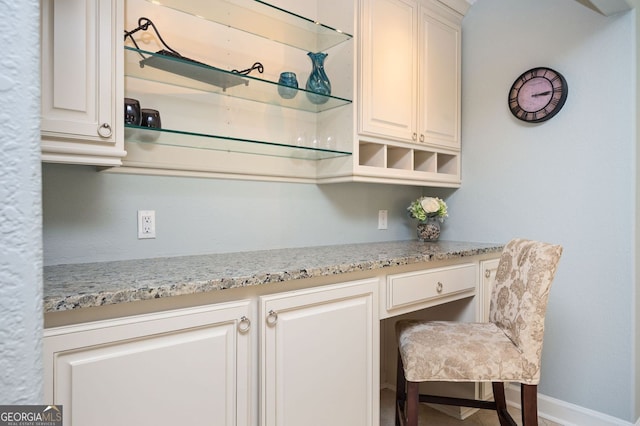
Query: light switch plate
x: 382, y: 219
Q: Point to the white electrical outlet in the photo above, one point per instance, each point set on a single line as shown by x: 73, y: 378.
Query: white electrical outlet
x: 382, y: 219
x: 146, y: 224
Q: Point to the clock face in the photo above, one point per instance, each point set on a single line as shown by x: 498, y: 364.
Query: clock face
x: 538, y: 94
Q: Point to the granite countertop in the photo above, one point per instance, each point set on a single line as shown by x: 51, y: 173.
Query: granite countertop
x: 96, y: 284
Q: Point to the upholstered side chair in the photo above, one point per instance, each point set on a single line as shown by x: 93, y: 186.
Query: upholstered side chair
x: 506, y: 349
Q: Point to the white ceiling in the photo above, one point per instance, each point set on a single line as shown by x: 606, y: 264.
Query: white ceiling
x: 607, y: 7
x: 604, y: 7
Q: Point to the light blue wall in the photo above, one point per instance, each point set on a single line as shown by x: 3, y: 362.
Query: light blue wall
x: 569, y: 181
x: 90, y: 216
x: 20, y: 207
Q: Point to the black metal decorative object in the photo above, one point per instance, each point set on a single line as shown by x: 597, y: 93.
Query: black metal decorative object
x: 171, y: 60
x: 143, y: 24
x: 256, y: 66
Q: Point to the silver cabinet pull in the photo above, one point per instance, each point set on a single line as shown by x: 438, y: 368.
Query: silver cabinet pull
x: 487, y: 273
x: 105, y: 130
x: 439, y: 287
x: 244, y: 325
x: 272, y: 318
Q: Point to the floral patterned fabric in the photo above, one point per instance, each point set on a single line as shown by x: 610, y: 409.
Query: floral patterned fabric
x: 509, y: 347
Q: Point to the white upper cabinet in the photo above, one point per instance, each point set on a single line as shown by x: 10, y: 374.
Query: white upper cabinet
x: 82, y: 81
x: 410, y: 72
x: 389, y: 68
x: 402, y: 73
x: 408, y: 99
x: 440, y: 70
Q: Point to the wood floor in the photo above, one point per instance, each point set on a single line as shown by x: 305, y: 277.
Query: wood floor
x: 431, y: 417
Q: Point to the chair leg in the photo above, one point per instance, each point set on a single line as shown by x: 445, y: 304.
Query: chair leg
x: 406, y: 392
x: 529, y: 404
x: 401, y: 393
x: 501, y: 403
x: 412, y: 403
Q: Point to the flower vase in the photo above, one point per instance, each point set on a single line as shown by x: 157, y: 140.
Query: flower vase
x: 318, y: 82
x: 429, y: 229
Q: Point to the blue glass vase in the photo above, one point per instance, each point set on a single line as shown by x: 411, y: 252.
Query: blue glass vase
x: 288, y: 85
x: 318, y: 82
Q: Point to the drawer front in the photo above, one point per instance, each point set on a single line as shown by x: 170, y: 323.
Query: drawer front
x: 420, y: 286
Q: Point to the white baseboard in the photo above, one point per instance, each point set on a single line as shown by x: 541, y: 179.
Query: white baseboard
x: 565, y: 413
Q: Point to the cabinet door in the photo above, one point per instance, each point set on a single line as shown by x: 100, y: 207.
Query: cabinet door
x: 440, y: 56
x: 82, y: 81
x: 183, y: 367
x: 388, y: 65
x: 320, y: 356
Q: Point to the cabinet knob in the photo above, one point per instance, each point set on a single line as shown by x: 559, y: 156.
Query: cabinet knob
x: 244, y: 325
x: 272, y: 318
x: 414, y: 136
x: 105, y: 130
x: 487, y: 273
x: 421, y: 138
x: 439, y: 287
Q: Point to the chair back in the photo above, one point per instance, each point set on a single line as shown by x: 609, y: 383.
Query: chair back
x: 520, y: 294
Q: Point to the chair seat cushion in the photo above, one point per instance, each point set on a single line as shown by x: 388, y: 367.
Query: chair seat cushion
x: 460, y: 352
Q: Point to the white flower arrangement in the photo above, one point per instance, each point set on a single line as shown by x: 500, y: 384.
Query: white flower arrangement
x: 425, y: 207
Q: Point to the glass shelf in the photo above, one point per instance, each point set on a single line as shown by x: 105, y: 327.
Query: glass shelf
x: 262, y: 19
x: 195, y: 75
x: 178, y: 138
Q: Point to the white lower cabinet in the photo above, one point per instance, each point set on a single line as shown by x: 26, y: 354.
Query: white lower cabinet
x: 318, y: 363
x: 319, y: 356
x: 182, y: 367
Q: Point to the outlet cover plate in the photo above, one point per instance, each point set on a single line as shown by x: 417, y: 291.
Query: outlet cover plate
x: 146, y: 224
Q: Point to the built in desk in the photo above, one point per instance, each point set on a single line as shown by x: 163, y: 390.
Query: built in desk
x: 249, y: 338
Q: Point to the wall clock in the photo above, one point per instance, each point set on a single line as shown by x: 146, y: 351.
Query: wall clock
x: 538, y: 94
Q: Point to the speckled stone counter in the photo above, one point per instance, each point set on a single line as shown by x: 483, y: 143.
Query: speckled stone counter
x: 97, y: 284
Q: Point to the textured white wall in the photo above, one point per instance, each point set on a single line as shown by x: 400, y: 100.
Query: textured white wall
x: 636, y: 322
x: 569, y: 181
x: 20, y: 205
